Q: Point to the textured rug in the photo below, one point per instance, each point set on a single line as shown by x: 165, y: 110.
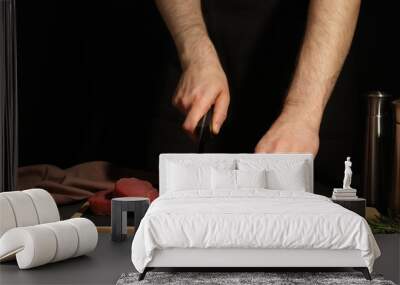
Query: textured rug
x: 243, y: 278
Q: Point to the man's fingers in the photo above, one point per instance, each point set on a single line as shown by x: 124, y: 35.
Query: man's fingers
x: 183, y: 103
x: 220, y: 111
x: 177, y: 98
x: 197, y: 111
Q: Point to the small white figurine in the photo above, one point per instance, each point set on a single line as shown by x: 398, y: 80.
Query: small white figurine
x: 347, y: 174
x: 345, y: 193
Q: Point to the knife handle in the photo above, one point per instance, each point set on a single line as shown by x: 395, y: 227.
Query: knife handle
x: 204, y: 131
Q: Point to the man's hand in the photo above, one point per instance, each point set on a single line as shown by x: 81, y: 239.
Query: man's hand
x: 291, y: 133
x: 202, y: 85
x: 330, y: 28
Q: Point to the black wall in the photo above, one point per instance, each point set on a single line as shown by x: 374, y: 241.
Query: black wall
x: 96, y: 80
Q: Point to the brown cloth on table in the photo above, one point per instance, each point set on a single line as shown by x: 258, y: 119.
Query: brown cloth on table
x: 78, y: 182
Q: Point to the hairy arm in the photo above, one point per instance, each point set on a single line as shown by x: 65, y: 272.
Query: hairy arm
x: 328, y: 37
x: 203, y: 83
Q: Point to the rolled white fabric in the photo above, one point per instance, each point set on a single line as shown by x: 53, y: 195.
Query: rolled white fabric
x: 87, y: 235
x: 67, y: 240
x: 41, y: 244
x: 45, y: 205
x: 7, y: 218
x: 23, y: 208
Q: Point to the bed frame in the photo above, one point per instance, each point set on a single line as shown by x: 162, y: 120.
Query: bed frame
x: 246, y: 258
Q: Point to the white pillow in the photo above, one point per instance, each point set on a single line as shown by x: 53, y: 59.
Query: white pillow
x: 281, y: 174
x: 223, y: 179
x: 288, y: 179
x: 235, y: 179
x: 187, y: 177
x: 251, y: 178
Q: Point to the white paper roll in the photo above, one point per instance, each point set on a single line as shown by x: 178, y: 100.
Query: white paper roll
x: 45, y: 205
x: 67, y: 239
x: 87, y: 234
x: 24, y: 210
x: 7, y: 218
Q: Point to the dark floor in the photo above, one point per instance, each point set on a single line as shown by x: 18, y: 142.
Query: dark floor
x: 111, y: 259
x: 103, y: 266
x: 389, y: 263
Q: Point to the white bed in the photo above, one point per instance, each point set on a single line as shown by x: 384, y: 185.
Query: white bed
x: 210, y: 226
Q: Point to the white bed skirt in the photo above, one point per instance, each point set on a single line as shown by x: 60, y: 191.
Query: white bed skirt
x: 192, y: 257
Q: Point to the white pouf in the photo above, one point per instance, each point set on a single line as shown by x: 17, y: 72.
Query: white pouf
x: 31, y: 231
x: 41, y: 244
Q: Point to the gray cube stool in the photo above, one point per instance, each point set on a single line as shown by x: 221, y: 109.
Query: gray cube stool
x: 119, y: 209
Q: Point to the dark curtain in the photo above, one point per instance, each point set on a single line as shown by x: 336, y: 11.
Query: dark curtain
x: 8, y: 96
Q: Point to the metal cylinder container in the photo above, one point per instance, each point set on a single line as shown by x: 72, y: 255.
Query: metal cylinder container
x: 377, y: 180
x: 395, y: 195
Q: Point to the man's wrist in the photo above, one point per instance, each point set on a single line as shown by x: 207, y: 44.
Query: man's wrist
x: 195, y: 47
x: 304, y: 112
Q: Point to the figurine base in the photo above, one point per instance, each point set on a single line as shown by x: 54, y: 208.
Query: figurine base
x: 345, y: 190
x: 344, y: 194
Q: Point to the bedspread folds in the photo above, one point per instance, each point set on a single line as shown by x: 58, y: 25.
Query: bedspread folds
x: 250, y: 218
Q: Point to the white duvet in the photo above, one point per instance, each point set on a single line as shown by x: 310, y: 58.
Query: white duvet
x: 250, y: 219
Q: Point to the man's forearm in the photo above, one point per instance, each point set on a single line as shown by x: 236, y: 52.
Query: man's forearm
x: 329, y: 32
x: 185, y: 22
x: 203, y: 84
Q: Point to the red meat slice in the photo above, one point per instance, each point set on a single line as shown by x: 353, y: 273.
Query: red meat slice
x: 100, y: 202
x: 133, y: 187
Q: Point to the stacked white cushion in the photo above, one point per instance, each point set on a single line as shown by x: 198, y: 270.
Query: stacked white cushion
x: 66, y: 238
x: 7, y: 219
x: 87, y: 235
x: 45, y: 205
x: 26, y: 208
x: 41, y: 244
x: 22, y: 207
x: 31, y: 231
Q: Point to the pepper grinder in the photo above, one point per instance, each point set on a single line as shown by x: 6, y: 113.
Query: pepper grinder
x: 395, y: 195
x: 377, y: 182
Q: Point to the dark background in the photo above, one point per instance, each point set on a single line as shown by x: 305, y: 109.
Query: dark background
x: 96, y: 80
